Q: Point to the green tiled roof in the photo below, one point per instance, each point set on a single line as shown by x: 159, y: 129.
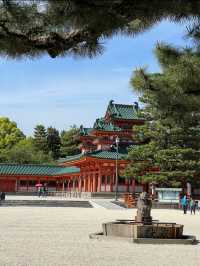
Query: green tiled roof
x: 84, y: 131
x: 123, y: 111
x: 100, y: 124
x: 96, y: 154
x: 30, y: 169
x: 108, y: 155
x: 71, y: 158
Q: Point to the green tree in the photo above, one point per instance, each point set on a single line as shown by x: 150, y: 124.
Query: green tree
x: 64, y: 27
x: 170, y: 139
x: 40, y: 139
x: 70, y: 140
x: 24, y: 152
x: 53, y: 142
x: 10, y: 134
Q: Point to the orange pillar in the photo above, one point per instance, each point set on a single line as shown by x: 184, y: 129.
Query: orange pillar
x: 99, y: 182
x: 63, y: 185
x: 89, y: 184
x: 90, y: 178
x: 16, y: 185
x: 84, y: 183
x: 79, y: 183
x: 111, y: 182
x: 105, y: 182
x: 94, y: 183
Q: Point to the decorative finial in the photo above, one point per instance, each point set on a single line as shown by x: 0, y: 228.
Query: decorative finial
x: 136, y: 105
x: 111, y: 102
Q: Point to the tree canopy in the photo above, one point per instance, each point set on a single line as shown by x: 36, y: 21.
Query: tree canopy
x: 70, y: 140
x: 40, y: 138
x: 10, y: 134
x: 46, y: 146
x: 79, y: 27
x: 169, y: 149
x: 53, y: 142
x: 24, y: 152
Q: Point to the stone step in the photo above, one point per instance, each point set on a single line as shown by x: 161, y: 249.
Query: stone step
x: 46, y: 203
x: 106, y: 195
x: 22, y: 193
x: 108, y: 205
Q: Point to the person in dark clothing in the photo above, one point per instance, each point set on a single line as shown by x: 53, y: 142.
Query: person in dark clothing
x: 184, y: 204
x: 3, y: 196
x: 45, y: 190
x: 192, y: 206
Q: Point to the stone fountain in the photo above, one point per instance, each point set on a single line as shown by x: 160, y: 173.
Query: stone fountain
x: 143, y: 229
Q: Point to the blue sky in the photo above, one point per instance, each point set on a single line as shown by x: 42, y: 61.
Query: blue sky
x: 65, y: 91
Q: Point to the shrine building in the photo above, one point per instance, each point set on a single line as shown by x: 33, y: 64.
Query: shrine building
x: 95, y: 168
x: 99, y: 157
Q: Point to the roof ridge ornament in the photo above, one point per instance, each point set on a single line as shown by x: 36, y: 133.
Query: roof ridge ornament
x: 111, y: 102
x: 136, y: 106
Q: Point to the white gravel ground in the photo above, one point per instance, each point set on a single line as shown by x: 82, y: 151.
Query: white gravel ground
x: 33, y: 236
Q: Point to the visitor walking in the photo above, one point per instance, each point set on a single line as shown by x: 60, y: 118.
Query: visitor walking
x: 39, y: 191
x: 192, y: 206
x: 3, y: 196
x: 184, y: 204
x: 198, y: 205
x: 45, y: 189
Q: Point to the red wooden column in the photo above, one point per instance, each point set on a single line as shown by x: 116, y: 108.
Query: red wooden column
x: 105, y: 182
x: 94, y: 182
x: 84, y: 183
x: 16, y: 185
x: 89, y: 183
x: 80, y: 183
x: 68, y: 185
x: 81, y: 179
x: 111, y: 182
x: 99, y: 181
x: 63, y: 185
x: 73, y: 184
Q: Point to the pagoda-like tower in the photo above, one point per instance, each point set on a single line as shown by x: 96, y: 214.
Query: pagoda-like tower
x: 118, y: 121
x: 98, y: 157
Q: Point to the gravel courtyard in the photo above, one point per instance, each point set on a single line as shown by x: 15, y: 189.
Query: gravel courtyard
x: 33, y: 236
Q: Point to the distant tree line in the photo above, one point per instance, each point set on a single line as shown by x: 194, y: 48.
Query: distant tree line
x: 46, y: 145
